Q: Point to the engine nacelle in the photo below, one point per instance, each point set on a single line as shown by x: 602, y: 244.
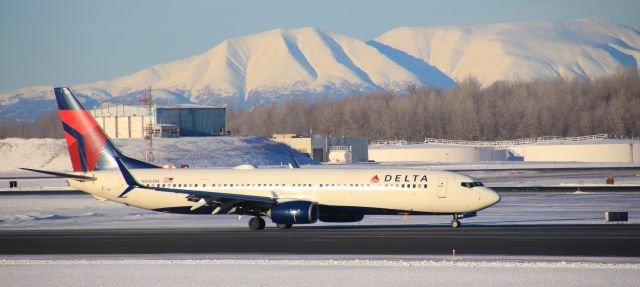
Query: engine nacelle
x: 341, y: 217
x: 294, y: 212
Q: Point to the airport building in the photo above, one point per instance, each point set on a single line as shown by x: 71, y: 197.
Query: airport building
x: 194, y: 120
x: 133, y: 121
x: 594, y: 148
x: 328, y: 149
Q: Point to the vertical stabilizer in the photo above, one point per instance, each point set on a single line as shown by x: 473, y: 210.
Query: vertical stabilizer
x: 89, y: 147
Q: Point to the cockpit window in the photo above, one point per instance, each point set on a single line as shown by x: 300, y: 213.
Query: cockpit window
x: 468, y: 184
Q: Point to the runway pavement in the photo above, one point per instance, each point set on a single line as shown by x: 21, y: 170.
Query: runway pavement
x: 557, y: 240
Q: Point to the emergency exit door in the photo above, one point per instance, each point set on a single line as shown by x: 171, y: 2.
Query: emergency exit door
x: 442, y: 187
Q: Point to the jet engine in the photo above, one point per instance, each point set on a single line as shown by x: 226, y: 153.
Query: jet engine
x: 294, y: 212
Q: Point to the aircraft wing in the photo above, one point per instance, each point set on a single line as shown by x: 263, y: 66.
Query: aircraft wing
x: 133, y: 183
x: 217, y: 195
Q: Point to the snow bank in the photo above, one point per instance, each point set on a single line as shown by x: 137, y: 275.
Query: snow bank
x: 301, y: 272
x: 200, y: 152
x: 331, y: 262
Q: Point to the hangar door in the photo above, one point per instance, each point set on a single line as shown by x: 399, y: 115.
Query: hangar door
x: 442, y: 187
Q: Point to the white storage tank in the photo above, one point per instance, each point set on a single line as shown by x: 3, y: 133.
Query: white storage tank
x: 435, y: 153
x: 602, y: 151
x: 340, y: 154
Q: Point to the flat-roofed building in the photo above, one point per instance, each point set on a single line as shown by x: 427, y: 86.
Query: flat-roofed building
x: 327, y: 149
x: 131, y: 121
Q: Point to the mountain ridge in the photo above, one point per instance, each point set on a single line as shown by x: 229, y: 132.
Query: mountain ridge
x: 313, y: 63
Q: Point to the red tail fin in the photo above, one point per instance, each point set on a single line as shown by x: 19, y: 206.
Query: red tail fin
x: 89, y: 147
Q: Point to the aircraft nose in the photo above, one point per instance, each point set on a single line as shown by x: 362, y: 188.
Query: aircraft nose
x: 490, y: 197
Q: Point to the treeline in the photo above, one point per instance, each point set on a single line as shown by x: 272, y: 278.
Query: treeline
x: 503, y: 110
x: 46, y: 125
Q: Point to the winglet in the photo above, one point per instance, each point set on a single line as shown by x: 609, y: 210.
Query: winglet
x: 128, y: 178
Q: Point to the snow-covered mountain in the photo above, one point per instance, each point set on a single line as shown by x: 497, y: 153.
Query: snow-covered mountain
x: 583, y: 48
x: 308, y: 62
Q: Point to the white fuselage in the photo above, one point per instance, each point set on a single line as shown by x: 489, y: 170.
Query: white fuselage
x: 375, y: 190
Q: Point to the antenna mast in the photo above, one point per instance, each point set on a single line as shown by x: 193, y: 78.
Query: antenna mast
x: 147, y: 100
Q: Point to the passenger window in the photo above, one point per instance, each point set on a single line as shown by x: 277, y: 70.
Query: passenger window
x: 425, y: 186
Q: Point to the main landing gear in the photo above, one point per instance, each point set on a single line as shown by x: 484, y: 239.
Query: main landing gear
x: 455, y: 223
x: 256, y: 223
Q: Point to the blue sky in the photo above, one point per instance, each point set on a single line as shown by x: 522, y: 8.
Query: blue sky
x: 70, y: 42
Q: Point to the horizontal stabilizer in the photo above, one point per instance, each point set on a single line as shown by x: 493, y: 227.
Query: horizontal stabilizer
x: 62, y: 174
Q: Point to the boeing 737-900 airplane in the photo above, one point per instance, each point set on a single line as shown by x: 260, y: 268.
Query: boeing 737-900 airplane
x: 287, y: 196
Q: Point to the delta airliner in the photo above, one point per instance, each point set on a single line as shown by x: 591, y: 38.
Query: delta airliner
x: 286, y: 196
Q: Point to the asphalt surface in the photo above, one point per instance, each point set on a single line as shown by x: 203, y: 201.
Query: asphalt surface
x: 556, y: 240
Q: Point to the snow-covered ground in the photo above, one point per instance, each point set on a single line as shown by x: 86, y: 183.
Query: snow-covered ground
x: 201, y: 152
x: 78, y: 211
x: 313, y: 271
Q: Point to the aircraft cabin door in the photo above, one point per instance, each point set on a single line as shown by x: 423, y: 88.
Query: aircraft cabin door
x: 442, y: 187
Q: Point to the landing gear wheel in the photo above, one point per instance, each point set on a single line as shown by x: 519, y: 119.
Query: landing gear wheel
x: 256, y: 223
x: 283, y: 226
x: 455, y: 223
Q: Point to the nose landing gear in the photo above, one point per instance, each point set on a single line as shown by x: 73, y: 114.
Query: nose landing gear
x: 455, y: 223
